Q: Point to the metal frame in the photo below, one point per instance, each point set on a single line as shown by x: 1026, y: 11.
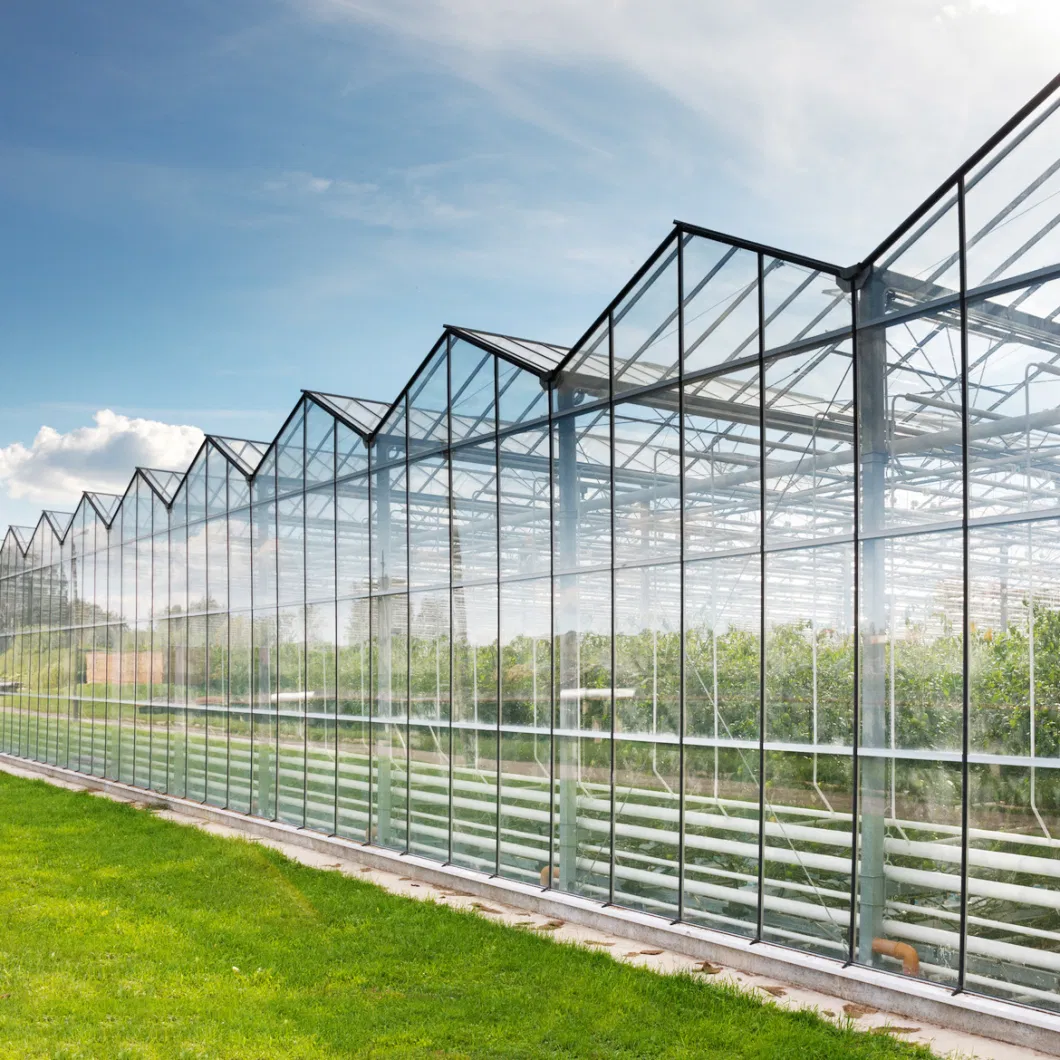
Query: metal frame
x: 884, y: 434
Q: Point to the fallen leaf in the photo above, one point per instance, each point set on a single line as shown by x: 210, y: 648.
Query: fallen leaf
x: 776, y: 991
x: 650, y: 953
x: 707, y: 968
x: 597, y: 942
x: 486, y: 909
x: 894, y: 1030
x: 855, y: 1010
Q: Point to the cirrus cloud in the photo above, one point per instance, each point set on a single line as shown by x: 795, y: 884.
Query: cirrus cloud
x: 56, y: 466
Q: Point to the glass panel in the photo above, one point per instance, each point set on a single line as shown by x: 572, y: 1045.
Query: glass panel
x: 428, y: 527
x: 722, y: 655
x: 582, y: 490
x: 909, y: 405
x: 647, y: 721
x: 526, y: 503
x: 806, y: 877
x: 474, y: 549
x: 240, y: 685
x: 644, y: 326
x: 216, y: 481
x: 320, y: 445
x: 521, y: 395
x: 474, y: 406
x: 389, y: 507
x: 801, y: 303
x: 321, y: 726
x: 1011, y: 202
x: 911, y: 733
x: 291, y: 548
x: 474, y: 841
x: 720, y: 303
x: 389, y: 727
x: 195, y: 487
x: 1015, y: 631
x: 1013, y: 898
x: 351, y: 452
x: 810, y: 647
x: 290, y: 455
x: 922, y: 267
x: 810, y: 445
x: 291, y: 707
x: 647, y: 455
x: 429, y: 406
x: 722, y: 464
x: 909, y: 882
x: 587, y: 376
x: 582, y: 772
x: 1014, y: 402
x: 429, y: 724
x: 351, y: 530
x: 354, y: 693
x: 526, y: 698
x: 320, y: 543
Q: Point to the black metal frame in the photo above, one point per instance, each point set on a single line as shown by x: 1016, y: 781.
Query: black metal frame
x: 551, y: 365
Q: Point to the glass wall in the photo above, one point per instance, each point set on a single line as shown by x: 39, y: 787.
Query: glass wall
x: 742, y: 612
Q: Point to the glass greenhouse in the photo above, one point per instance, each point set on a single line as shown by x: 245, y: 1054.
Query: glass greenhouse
x: 743, y: 611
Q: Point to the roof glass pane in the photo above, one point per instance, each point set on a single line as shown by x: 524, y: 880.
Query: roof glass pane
x: 720, y: 303
x: 644, y: 327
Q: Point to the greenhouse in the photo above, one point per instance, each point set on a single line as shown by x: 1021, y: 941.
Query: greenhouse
x: 743, y: 611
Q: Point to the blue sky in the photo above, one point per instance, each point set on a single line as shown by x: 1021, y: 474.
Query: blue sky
x: 207, y: 206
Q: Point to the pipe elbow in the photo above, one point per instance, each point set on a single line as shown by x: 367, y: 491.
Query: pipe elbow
x: 902, y: 951
x: 555, y: 876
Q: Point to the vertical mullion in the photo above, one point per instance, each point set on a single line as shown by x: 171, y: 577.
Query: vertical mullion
x: 106, y: 665
x: 681, y: 574
x: 611, y: 475
x: 497, y: 583
x: 966, y: 629
x: 226, y: 673
x: 551, y: 649
x: 408, y: 630
x: 369, y: 450
x: 305, y: 619
x: 452, y: 654
x: 335, y: 602
x: 856, y: 724
x: 187, y: 624
x: 761, y: 599
x: 205, y: 626
x: 136, y: 625
x: 169, y: 635
x: 151, y: 650
x: 255, y: 665
x: 275, y: 661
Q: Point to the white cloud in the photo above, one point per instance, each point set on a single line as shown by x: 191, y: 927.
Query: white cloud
x: 824, y: 111
x: 56, y: 467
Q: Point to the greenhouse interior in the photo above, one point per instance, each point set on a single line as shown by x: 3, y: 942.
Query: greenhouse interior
x: 743, y: 611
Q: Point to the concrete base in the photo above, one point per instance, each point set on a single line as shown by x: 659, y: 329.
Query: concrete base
x: 912, y: 998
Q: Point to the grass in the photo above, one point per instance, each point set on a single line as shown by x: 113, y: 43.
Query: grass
x: 125, y: 936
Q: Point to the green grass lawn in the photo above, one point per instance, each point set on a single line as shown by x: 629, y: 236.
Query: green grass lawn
x: 124, y: 936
